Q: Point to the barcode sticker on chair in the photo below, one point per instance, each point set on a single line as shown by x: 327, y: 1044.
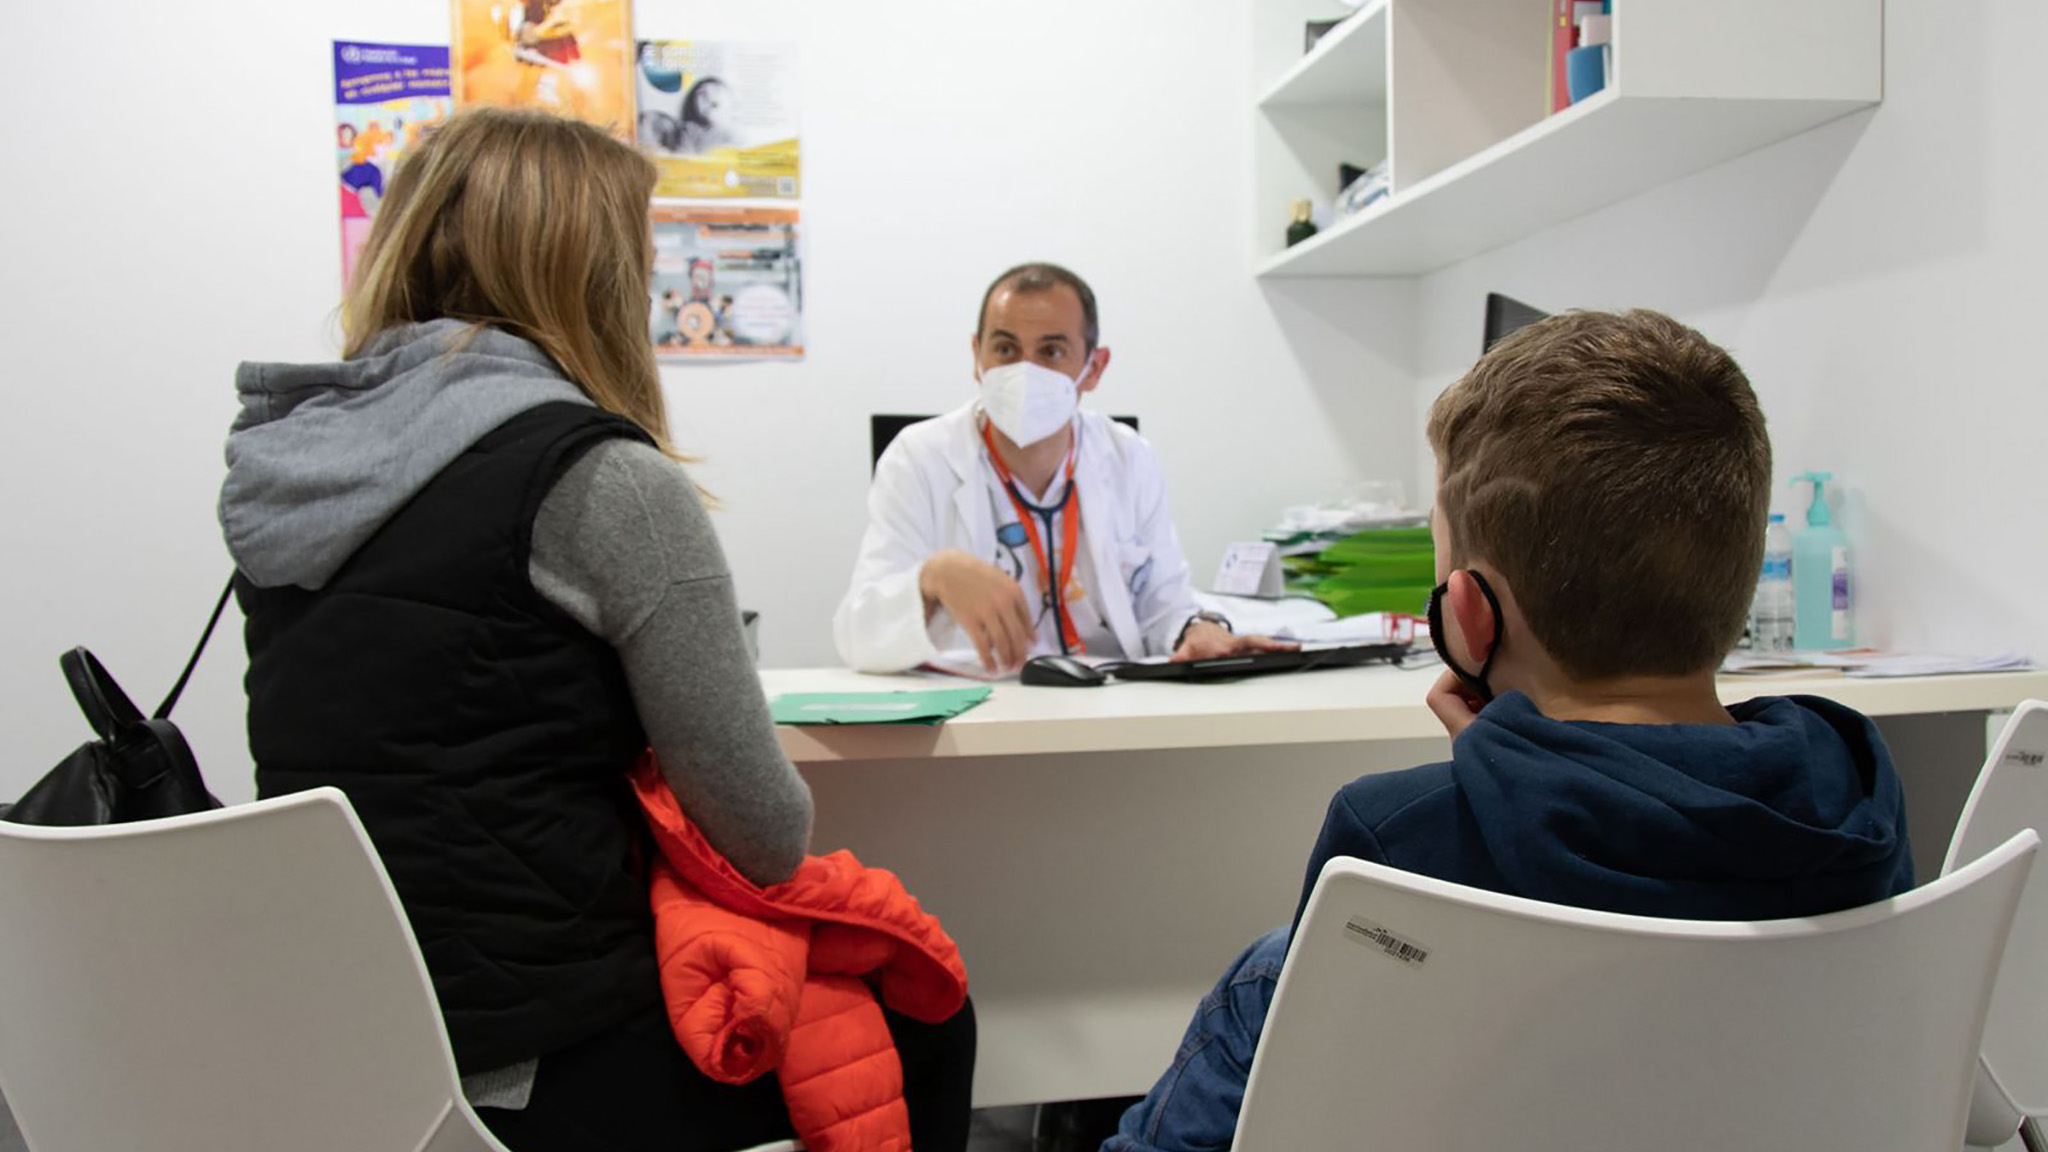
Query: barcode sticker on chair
x: 1376, y: 936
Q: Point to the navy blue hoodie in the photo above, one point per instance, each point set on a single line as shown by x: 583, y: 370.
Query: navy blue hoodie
x: 1792, y: 811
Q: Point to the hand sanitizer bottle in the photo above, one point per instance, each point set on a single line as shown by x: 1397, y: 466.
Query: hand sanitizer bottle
x: 1821, y: 614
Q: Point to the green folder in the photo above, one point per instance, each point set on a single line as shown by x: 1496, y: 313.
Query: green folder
x: 934, y: 707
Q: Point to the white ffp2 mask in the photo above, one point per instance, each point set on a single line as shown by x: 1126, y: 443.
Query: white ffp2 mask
x: 1027, y: 402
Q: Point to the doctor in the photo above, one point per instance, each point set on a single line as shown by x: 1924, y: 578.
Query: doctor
x: 975, y: 514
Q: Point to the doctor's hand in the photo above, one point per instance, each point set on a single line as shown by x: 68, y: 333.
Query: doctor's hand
x: 987, y: 605
x: 1206, y: 640
x: 1454, y: 704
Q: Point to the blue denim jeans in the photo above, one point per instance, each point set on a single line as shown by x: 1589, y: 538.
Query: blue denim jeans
x: 1193, y: 1108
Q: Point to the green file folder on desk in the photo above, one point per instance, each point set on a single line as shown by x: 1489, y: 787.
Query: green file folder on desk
x: 934, y: 707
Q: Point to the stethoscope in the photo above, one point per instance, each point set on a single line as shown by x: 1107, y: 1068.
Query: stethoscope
x: 1048, y: 551
x: 1047, y: 516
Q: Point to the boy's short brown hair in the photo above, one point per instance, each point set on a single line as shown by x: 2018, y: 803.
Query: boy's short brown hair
x: 1615, y: 469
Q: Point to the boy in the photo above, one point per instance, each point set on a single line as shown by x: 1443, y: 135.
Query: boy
x: 1602, y: 487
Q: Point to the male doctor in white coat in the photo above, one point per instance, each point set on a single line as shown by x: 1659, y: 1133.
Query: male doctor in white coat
x: 975, y: 514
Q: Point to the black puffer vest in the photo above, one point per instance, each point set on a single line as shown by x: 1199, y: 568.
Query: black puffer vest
x: 483, y: 737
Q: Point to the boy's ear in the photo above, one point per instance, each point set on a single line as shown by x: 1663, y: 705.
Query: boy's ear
x: 1475, y: 617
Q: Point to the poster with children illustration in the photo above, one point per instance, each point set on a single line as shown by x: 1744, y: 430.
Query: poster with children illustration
x: 570, y: 57
x: 718, y: 118
x: 386, y: 96
x: 728, y: 284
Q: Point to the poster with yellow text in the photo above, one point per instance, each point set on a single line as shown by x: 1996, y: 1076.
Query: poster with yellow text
x: 718, y: 118
x: 572, y: 57
x: 728, y: 283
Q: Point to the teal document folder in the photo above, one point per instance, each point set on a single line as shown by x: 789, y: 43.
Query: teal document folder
x: 935, y: 707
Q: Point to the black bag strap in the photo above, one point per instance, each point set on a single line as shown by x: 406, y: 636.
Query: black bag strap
x: 107, y: 708
x: 163, y: 710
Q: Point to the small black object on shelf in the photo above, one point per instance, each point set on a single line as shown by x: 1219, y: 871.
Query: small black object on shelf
x: 1315, y: 30
x: 1303, y: 226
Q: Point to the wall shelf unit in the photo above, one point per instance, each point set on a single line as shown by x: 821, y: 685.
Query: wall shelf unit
x: 1454, y: 95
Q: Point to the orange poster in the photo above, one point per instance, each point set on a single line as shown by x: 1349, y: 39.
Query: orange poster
x: 574, y: 57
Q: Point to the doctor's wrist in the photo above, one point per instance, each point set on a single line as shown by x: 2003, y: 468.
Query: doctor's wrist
x: 1216, y: 619
x: 931, y: 575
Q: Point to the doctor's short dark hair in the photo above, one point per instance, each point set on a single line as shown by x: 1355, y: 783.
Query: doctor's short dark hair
x: 1043, y: 277
x: 1615, y: 469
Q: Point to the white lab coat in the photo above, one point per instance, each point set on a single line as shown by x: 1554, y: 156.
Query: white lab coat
x: 929, y: 495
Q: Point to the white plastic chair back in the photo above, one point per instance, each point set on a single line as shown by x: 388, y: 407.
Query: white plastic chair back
x: 2011, y: 794
x: 1418, y: 1014
x: 235, y: 981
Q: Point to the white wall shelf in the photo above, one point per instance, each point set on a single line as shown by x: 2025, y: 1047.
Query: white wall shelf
x: 1460, y: 88
x: 1347, y: 66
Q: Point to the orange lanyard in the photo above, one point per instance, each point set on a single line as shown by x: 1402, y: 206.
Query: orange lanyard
x: 1070, y: 535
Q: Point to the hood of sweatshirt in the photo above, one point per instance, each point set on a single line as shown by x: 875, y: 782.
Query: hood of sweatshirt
x: 322, y: 455
x: 1795, y: 807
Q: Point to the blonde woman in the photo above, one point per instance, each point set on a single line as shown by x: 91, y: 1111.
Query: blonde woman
x: 478, y: 584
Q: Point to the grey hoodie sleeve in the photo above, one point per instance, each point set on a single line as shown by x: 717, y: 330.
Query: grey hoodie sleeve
x: 622, y: 543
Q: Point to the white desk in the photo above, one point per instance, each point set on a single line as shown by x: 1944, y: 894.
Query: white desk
x: 1100, y: 854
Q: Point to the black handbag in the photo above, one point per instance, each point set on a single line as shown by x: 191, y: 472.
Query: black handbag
x: 140, y: 768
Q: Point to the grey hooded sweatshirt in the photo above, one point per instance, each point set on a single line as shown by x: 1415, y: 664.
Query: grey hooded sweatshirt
x: 323, y: 454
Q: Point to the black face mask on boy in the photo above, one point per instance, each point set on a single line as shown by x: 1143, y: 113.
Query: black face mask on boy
x: 1475, y: 681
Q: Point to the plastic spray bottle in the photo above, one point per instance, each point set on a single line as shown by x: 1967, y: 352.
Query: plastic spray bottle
x: 1821, y: 617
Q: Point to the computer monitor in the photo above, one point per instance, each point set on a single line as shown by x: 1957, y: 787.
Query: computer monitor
x: 1504, y: 314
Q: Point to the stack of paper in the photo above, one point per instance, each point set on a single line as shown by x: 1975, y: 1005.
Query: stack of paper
x: 1253, y: 617
x: 1933, y: 664
x: 1366, y: 628
x: 1867, y: 662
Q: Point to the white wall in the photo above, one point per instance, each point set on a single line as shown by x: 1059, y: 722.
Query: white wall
x: 173, y: 212
x: 1881, y: 280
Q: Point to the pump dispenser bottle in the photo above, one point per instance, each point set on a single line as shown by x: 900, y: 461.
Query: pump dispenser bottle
x: 1821, y: 616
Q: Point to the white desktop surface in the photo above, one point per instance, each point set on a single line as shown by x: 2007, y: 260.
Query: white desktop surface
x: 1100, y: 854
x: 1374, y: 702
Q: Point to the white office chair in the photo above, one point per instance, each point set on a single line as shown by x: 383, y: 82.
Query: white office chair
x: 234, y: 980
x: 2012, y: 1074
x: 1413, y: 1013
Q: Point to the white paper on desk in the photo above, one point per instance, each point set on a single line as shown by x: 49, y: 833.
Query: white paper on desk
x: 1868, y: 663
x: 1773, y: 663
x: 1934, y: 664
x: 1253, y: 617
x: 1368, y: 628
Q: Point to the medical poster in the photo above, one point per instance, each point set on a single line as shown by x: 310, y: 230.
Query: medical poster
x: 386, y: 96
x: 572, y: 57
x: 728, y: 283
x: 719, y: 118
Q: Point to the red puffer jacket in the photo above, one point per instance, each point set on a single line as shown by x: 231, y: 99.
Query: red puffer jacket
x: 784, y: 978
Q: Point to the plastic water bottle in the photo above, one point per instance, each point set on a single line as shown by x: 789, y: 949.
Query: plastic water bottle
x: 1770, y: 613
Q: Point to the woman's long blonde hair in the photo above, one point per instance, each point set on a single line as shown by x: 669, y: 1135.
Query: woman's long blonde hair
x: 530, y: 223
